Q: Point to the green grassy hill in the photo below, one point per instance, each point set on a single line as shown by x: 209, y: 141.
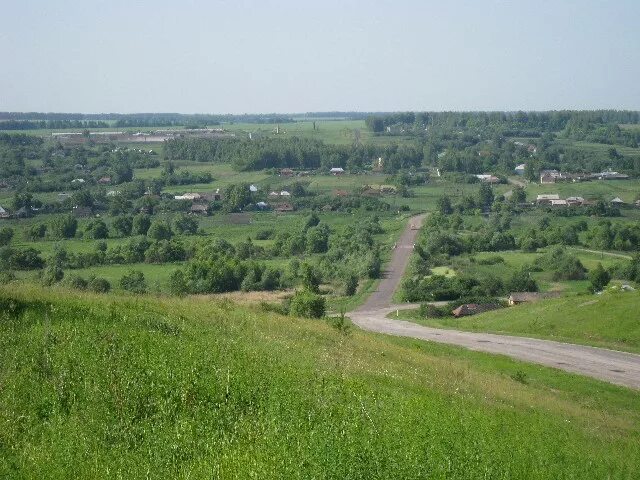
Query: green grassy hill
x: 610, y: 320
x: 124, y: 387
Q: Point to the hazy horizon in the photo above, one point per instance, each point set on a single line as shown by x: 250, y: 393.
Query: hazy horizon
x: 292, y: 58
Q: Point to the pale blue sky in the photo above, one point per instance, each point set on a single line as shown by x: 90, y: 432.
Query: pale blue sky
x: 240, y: 56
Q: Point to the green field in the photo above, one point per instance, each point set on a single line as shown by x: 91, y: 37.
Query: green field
x: 609, y: 320
x: 110, y: 386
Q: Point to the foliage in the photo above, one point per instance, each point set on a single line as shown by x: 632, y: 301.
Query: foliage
x: 305, y: 303
x: 134, y: 282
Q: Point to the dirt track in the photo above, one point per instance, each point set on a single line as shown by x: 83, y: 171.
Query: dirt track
x: 608, y: 365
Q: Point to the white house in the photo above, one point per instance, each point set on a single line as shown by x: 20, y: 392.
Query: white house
x: 253, y: 188
x: 188, y: 196
x: 520, y: 169
x: 284, y: 193
x: 77, y: 180
x: 337, y: 171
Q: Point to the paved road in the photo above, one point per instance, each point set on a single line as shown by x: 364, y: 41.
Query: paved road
x: 608, y: 365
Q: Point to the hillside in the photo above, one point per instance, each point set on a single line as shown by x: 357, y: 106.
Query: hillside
x: 609, y: 320
x: 110, y: 386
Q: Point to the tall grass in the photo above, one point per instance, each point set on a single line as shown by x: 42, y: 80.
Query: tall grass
x: 116, y: 387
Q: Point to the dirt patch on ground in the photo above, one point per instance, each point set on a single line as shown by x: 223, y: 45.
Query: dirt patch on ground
x: 247, y: 298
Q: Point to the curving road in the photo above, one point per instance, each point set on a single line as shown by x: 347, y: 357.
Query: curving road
x: 612, y: 366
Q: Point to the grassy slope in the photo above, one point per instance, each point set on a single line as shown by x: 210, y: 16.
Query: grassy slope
x: 610, y: 320
x: 127, y: 387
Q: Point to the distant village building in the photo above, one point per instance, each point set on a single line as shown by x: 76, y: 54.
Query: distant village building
x: 485, y: 178
x: 104, y: 180
x: 284, y: 207
x: 199, y: 209
x: 609, y: 175
x: 559, y: 203
x: 284, y: 193
x: 262, y: 205
x: 188, y: 196
x: 336, y: 171
x: 81, y: 212
x: 520, y: 169
x: 473, y: 309
x: 573, y: 201
x: 253, y: 188
x: 4, y: 214
x: 546, y: 198
x: 517, y: 298
x: 618, y: 201
x: 77, y: 180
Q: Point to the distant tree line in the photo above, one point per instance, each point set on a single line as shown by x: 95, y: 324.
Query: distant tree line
x: 293, y: 152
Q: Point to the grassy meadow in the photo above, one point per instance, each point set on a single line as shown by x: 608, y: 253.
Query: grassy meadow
x: 120, y: 386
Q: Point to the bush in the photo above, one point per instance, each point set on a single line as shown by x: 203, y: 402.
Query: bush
x: 52, y: 274
x: 77, y: 282
x: 96, y: 229
x: 431, y: 311
x: 264, y: 234
x: 134, y: 281
x: 6, y: 234
x: 98, y: 285
x: 599, y: 278
x: 186, y: 225
x: 351, y: 285
x: 492, y: 260
x: 307, y: 304
x: 160, y: 230
x: 6, y: 277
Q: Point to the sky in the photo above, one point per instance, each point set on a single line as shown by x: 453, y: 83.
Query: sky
x: 240, y: 56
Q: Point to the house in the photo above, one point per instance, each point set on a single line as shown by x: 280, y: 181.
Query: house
x: 520, y: 169
x: 81, y: 212
x: 77, y: 180
x: 571, y: 201
x: 22, y: 212
x: 274, y: 194
x: 547, y: 178
x: 526, y: 297
x: 286, y: 172
x: 487, y: 178
x: 188, y: 196
x: 472, y: 309
x: 559, y: 203
x: 199, y: 209
x: 284, y: 193
x: 104, y: 180
x: 284, y: 207
x: 336, y: 171
x: 212, y: 196
x: 609, y: 175
x: 617, y: 201
x: 262, y: 205
x: 546, y: 198
x: 253, y: 188
x: 4, y: 214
